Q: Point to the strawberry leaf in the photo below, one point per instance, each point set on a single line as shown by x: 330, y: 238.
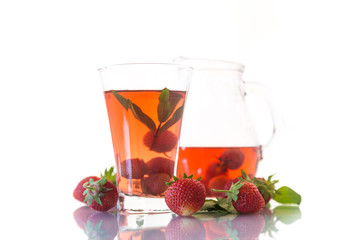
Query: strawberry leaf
x: 287, y: 196
x: 110, y: 175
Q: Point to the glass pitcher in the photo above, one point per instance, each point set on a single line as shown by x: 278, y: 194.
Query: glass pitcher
x: 218, y: 137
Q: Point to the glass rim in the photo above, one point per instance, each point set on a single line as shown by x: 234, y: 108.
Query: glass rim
x: 235, y: 66
x: 111, y: 66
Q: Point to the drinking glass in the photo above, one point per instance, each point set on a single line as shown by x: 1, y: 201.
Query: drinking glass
x: 145, y: 104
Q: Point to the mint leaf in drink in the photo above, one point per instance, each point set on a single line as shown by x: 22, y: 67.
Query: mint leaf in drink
x: 136, y: 110
x: 140, y: 115
x: 287, y: 196
x: 164, y: 108
x: 121, y: 99
x: 167, y: 103
x: 175, y: 117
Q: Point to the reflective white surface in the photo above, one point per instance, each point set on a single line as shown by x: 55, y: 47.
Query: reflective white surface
x: 267, y: 223
x: 53, y: 122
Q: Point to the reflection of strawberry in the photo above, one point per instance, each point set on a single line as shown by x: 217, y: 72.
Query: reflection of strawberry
x: 134, y: 168
x: 185, y: 228
x: 100, y: 195
x: 232, y: 158
x: 217, y: 182
x: 248, y: 226
x: 164, y: 142
x: 79, y: 190
x: 82, y: 214
x: 185, y: 196
x: 155, y: 184
x: 102, y: 226
x: 160, y: 165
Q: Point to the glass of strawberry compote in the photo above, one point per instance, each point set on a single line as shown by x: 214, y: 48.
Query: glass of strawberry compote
x: 218, y: 137
x: 145, y: 104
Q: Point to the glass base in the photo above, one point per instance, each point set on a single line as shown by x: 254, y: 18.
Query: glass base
x: 142, y: 205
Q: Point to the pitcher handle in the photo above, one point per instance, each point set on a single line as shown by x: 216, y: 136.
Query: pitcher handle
x: 261, y: 90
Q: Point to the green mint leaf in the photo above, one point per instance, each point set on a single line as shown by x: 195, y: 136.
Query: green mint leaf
x: 226, y: 204
x: 121, y: 99
x: 142, y: 117
x: 208, y: 204
x: 164, y: 108
x: 175, y: 117
x: 287, y: 196
x: 138, y: 113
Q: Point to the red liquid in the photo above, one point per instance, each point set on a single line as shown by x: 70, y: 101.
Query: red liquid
x: 134, y: 144
x: 217, y: 165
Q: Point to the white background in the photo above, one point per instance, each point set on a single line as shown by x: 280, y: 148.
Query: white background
x: 53, y: 125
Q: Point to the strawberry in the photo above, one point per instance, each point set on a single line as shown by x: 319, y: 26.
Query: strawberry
x: 100, y: 195
x: 79, y: 190
x: 217, y: 182
x: 160, y: 165
x: 185, y: 196
x: 232, y: 158
x: 215, y: 169
x: 155, y: 184
x: 266, y: 187
x: 164, y: 142
x: 134, y: 168
x: 244, y: 197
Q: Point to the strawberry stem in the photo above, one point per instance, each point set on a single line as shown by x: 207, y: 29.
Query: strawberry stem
x: 217, y: 190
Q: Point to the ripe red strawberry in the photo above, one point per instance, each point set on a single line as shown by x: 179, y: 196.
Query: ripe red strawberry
x: 245, y: 197
x: 160, y: 165
x: 232, y: 158
x: 249, y: 199
x: 165, y: 142
x: 100, y: 195
x: 185, y: 196
x: 134, y: 168
x: 155, y: 184
x: 265, y: 187
x: 79, y: 190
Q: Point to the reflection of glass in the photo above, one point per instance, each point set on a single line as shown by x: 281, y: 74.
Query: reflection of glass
x: 218, y: 136
x: 145, y: 103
